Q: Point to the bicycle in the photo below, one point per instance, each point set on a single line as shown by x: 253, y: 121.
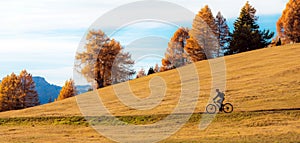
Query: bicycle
x: 212, y: 108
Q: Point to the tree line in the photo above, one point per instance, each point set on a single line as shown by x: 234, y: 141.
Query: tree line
x: 18, y: 92
x: 104, y: 62
x: 210, y: 37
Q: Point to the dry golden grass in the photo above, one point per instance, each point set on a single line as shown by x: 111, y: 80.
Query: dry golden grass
x: 50, y: 134
x: 267, y: 126
x: 244, y: 127
x: 264, y: 79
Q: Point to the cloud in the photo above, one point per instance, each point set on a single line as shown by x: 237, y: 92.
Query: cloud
x: 20, y: 16
x: 35, y: 54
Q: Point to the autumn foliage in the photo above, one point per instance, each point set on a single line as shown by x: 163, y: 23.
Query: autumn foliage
x: 141, y: 73
x: 194, y: 50
x: 103, y: 60
x: 175, y: 55
x: 207, y: 39
x: 18, y: 92
x: 288, y: 25
x: 68, y: 90
x: 204, y: 31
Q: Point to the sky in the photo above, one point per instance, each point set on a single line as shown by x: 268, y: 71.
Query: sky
x: 42, y: 36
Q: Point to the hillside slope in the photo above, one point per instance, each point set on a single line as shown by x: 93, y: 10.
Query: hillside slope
x: 264, y: 79
x: 262, y: 85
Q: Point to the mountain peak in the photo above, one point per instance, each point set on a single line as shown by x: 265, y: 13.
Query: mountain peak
x: 46, y: 91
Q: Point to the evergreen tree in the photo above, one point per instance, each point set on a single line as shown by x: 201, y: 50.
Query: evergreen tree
x: 288, y: 25
x: 204, y: 31
x: 29, y: 96
x: 150, y: 71
x: 278, y: 42
x: 222, y: 33
x: 246, y: 35
x: 175, y: 55
x: 68, y: 90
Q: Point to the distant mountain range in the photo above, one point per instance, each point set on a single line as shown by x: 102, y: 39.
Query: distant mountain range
x: 83, y: 88
x: 49, y: 92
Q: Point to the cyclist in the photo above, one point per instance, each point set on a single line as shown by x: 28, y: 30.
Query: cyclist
x: 221, y: 98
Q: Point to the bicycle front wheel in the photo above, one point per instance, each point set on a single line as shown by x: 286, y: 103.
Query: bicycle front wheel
x: 227, y: 108
x: 211, y: 108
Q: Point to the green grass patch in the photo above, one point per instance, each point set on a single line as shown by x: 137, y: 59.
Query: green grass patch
x: 253, y: 119
x: 75, y: 120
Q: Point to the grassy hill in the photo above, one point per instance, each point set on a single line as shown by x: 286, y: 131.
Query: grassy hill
x: 262, y: 85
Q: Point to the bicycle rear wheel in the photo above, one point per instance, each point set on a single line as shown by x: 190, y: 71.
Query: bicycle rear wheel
x: 227, y: 108
x: 211, y: 108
